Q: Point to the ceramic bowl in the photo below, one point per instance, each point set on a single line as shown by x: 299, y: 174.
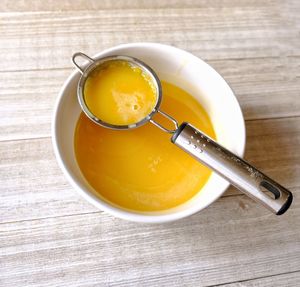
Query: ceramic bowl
x: 182, y: 69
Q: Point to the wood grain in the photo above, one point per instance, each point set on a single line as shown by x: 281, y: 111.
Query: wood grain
x: 290, y: 279
x: 33, y: 186
x: 74, y: 5
x: 231, y: 240
x: 27, y: 101
x: 50, y: 236
x: 267, y: 88
x: 45, y: 40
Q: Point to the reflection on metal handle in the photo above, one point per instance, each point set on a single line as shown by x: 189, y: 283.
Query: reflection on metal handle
x: 233, y: 168
x: 79, y: 54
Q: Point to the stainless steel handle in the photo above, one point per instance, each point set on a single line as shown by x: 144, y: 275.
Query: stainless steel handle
x: 238, y: 172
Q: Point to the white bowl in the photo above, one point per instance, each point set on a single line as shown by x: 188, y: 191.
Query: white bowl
x: 182, y: 69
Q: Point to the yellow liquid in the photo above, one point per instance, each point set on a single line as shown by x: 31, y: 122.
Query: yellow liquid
x: 141, y: 169
x: 119, y: 94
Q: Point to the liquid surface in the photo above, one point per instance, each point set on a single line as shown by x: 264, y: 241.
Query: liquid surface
x: 119, y: 94
x: 141, y: 169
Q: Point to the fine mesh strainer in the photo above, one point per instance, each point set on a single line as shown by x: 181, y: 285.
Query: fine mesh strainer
x: 237, y: 171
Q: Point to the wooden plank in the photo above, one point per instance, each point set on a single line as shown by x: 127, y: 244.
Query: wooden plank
x: 51, y: 237
x: 230, y: 241
x: 271, y: 147
x: 45, y: 40
x: 27, y: 101
x: 289, y: 279
x: 39, y: 5
x: 265, y: 88
x: 32, y: 185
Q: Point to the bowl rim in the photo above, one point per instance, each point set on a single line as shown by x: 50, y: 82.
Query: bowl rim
x: 128, y: 214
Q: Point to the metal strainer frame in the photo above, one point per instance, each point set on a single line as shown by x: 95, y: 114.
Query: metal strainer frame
x: 94, y: 64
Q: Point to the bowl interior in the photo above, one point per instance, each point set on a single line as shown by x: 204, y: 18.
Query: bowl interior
x: 182, y: 69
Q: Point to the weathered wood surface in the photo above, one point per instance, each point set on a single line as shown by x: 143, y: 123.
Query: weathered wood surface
x: 49, y: 236
x: 232, y: 240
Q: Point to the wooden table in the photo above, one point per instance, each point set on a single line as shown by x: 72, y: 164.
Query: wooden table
x: 50, y: 236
